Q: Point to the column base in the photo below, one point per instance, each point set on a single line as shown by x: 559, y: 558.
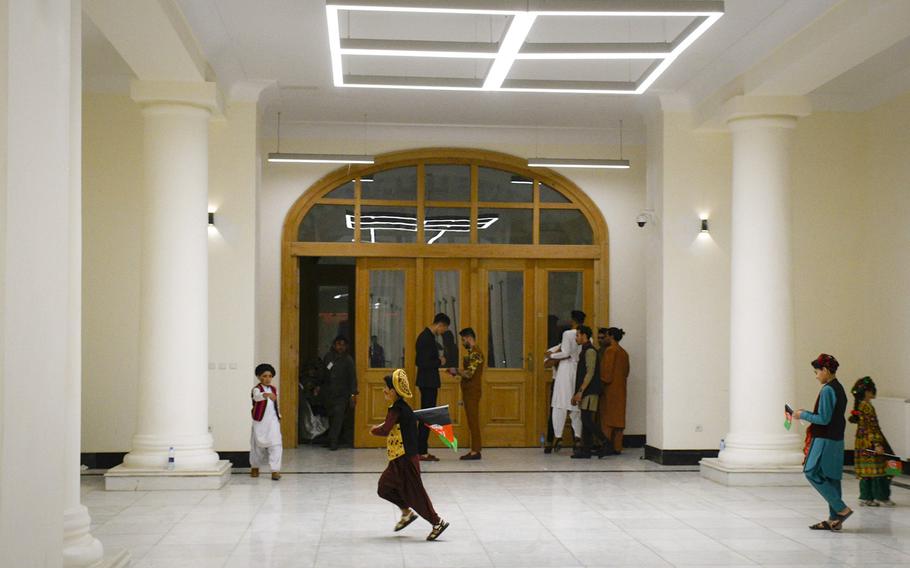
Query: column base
x: 122, y: 478
x: 752, y: 476
x: 80, y: 548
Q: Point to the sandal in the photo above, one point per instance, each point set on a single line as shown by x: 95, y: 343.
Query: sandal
x: 405, y: 521
x: 822, y: 526
x: 437, y: 530
x: 838, y: 523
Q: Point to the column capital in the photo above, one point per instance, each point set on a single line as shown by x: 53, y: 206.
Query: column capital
x: 748, y: 107
x: 203, y: 95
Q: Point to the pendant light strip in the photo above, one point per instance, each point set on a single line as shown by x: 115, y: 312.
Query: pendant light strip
x: 320, y: 158
x: 579, y: 163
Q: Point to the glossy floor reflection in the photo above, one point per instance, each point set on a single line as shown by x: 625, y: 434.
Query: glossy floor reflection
x: 519, y: 509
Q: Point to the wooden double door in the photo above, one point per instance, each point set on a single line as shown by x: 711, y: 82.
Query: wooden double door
x: 516, y: 307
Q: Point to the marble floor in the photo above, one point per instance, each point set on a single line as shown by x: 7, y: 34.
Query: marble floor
x: 514, y: 508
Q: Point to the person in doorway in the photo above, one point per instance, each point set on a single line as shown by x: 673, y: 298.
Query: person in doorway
x: 602, y: 341
x: 400, y: 483
x: 824, y: 449
x: 429, y: 361
x: 870, y: 448
x: 614, y: 374
x: 339, y: 380
x: 377, y: 353
x: 265, y: 438
x: 471, y: 375
x: 587, y: 394
x: 566, y: 356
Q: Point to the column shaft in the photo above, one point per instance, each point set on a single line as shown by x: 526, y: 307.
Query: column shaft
x: 173, y: 350
x: 761, y: 331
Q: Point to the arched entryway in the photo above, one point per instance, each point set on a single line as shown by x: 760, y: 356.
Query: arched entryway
x: 500, y: 247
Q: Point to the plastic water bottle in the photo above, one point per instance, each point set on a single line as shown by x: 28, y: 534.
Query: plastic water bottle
x: 543, y: 440
x: 722, y: 444
x: 170, y: 459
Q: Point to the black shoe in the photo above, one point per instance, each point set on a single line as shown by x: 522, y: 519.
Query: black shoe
x: 605, y: 451
x: 548, y: 449
x: 333, y: 448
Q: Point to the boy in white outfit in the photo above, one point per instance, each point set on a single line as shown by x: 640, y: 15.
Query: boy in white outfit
x: 265, y: 440
x: 566, y: 353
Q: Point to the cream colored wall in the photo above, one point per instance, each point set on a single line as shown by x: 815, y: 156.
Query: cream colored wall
x: 830, y: 193
x: 885, y: 262
x: 696, y: 285
x: 233, y: 164
x: 619, y: 194
x: 112, y: 182
x: 111, y: 190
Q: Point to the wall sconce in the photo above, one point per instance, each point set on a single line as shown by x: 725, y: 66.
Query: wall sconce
x: 704, y: 226
x: 211, y: 218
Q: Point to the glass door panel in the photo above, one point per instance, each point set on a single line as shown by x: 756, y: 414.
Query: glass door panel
x: 506, y: 322
x: 385, y: 295
x: 445, y: 290
x: 506, y: 335
x: 386, y: 308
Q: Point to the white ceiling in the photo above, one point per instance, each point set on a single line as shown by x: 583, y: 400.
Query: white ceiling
x: 286, y: 41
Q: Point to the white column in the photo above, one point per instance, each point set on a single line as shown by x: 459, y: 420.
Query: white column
x: 35, y: 278
x: 762, y: 376
x: 80, y: 548
x: 173, y: 349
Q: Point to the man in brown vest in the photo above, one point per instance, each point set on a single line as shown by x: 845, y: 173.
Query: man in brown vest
x: 614, y: 372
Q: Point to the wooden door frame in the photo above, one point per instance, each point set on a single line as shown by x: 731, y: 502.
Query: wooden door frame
x: 291, y: 248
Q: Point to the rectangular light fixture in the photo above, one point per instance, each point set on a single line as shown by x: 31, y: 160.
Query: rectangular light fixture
x: 320, y: 158
x: 573, y: 163
x: 512, y: 47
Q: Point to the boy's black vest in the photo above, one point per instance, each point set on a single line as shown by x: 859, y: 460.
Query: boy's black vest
x: 594, y: 387
x: 833, y: 430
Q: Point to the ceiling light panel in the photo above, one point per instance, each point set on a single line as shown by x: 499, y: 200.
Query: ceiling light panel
x: 428, y: 67
x: 493, y: 42
x: 609, y: 70
x: 425, y: 26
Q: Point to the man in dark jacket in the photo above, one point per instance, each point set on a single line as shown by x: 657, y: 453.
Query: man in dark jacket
x: 339, y: 384
x: 429, y: 360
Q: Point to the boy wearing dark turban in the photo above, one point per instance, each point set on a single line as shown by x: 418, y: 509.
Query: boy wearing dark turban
x: 265, y: 438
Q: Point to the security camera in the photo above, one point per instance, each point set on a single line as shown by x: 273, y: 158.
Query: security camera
x: 642, y: 219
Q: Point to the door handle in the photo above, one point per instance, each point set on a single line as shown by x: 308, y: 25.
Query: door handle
x: 531, y: 362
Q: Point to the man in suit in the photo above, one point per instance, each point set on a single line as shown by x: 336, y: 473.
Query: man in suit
x: 429, y: 361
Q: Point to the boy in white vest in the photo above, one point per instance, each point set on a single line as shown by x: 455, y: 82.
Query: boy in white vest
x: 265, y: 440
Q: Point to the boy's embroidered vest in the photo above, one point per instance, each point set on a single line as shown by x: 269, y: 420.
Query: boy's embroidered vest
x: 259, y: 407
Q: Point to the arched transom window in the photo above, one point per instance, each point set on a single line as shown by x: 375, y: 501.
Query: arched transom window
x: 438, y: 201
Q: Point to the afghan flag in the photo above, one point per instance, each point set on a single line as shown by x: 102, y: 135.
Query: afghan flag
x: 438, y: 420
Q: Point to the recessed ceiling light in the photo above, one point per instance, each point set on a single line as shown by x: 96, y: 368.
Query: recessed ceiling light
x: 513, y: 47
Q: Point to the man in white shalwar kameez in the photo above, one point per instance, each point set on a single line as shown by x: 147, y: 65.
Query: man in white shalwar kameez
x: 566, y: 353
x: 265, y: 439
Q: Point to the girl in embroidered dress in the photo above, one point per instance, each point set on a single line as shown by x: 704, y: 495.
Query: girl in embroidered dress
x: 265, y: 438
x: 400, y: 482
x: 870, y: 447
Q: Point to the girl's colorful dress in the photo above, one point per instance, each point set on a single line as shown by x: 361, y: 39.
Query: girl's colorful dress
x: 874, y: 484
